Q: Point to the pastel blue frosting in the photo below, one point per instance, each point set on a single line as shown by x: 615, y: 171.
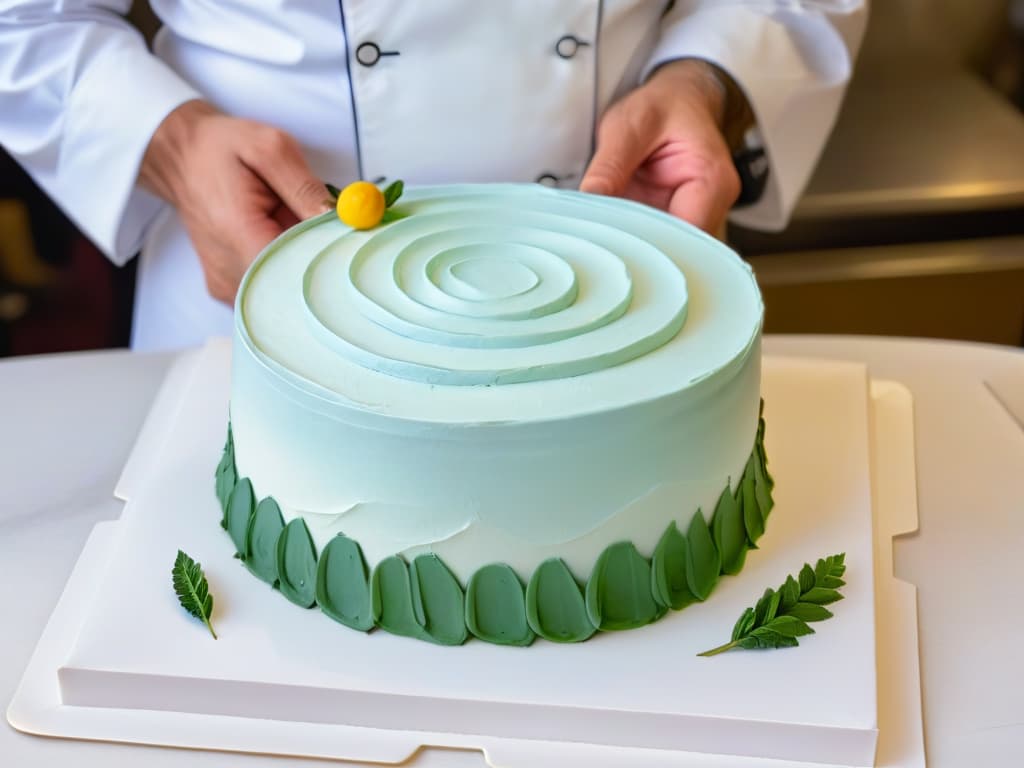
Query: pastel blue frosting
x: 503, y: 294
x: 507, y: 373
x: 491, y: 285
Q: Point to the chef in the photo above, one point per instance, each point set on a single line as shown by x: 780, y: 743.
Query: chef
x: 200, y: 152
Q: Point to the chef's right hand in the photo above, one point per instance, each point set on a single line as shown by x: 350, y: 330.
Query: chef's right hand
x: 237, y: 184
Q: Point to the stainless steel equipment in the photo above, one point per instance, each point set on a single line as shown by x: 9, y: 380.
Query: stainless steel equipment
x: 913, y: 223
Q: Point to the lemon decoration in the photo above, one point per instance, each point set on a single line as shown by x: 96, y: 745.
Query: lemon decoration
x: 362, y: 205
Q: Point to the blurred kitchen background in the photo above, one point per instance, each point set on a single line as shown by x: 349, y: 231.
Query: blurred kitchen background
x: 913, y: 224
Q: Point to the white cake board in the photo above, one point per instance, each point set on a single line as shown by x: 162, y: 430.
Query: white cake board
x: 286, y: 681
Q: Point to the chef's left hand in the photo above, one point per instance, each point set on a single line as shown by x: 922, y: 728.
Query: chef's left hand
x: 662, y: 144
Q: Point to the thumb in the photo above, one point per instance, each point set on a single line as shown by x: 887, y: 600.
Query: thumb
x: 623, y: 144
x: 277, y: 158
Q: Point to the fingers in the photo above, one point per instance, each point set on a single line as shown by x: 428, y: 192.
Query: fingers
x: 257, y: 235
x: 283, y: 216
x: 277, y: 158
x: 224, y: 262
x: 239, y: 184
x: 705, y: 200
x: 695, y: 202
x: 624, y: 140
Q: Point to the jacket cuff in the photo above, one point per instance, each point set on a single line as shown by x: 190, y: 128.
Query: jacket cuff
x: 113, y: 111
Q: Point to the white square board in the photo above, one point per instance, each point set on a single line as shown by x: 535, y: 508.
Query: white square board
x: 321, y: 689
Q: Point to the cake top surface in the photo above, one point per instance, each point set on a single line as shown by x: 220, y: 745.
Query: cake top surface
x: 499, y: 303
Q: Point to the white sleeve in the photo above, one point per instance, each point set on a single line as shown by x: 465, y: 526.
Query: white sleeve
x: 792, y: 59
x: 80, y: 98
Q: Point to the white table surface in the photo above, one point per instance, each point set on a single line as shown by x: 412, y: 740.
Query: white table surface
x: 67, y: 424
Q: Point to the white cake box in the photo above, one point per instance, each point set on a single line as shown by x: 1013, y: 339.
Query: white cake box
x: 121, y: 661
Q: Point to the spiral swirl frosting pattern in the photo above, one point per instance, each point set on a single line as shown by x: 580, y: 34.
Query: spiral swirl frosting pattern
x: 485, y: 285
x: 445, y: 298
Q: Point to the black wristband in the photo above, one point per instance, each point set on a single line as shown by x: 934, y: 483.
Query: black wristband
x: 753, y: 168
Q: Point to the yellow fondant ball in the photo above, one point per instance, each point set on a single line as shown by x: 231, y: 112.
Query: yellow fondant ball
x: 361, y: 205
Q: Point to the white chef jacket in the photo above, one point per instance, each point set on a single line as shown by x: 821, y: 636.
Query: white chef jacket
x: 430, y: 92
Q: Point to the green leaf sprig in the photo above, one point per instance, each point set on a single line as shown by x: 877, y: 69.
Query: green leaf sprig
x: 392, y: 192
x: 192, y: 590
x: 782, y: 615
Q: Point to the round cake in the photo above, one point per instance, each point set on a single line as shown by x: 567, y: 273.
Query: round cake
x: 509, y: 411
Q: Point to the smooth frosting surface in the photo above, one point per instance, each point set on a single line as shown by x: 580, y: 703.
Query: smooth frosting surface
x: 499, y: 284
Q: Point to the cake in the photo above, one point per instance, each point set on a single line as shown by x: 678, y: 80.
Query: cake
x: 511, y: 411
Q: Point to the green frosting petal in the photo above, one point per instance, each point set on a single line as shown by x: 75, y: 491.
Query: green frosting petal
x: 762, y: 489
x: 226, y: 477
x: 437, y: 597
x: 343, y: 584
x: 296, y: 564
x: 619, y: 590
x: 762, y: 457
x: 729, y: 533
x: 261, y: 537
x: 554, y: 604
x: 391, y: 599
x: 668, y: 570
x: 496, y: 606
x: 703, y: 563
x: 240, y: 508
x: 753, y: 521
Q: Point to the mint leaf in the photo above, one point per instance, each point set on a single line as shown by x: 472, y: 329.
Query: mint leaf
x: 192, y: 590
x: 392, y: 214
x: 810, y: 612
x: 783, y: 615
x: 790, y: 594
x: 806, y: 578
x: 761, y: 609
x: 744, y: 625
x: 773, y: 607
x: 766, y: 640
x: 821, y: 596
x: 393, y: 192
x: 790, y: 626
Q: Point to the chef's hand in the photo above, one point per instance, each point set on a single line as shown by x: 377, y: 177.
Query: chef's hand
x: 662, y: 144
x: 237, y: 184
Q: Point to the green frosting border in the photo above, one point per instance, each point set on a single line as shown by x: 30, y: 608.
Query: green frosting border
x: 343, y: 584
x: 496, y: 606
x: 424, y: 600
